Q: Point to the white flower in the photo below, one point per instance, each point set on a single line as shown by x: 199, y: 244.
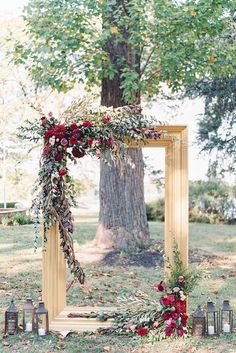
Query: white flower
x: 176, y: 289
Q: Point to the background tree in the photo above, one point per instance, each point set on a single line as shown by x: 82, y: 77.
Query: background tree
x: 130, y: 49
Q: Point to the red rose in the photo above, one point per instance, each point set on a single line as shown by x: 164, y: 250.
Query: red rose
x: 180, y: 306
x: 166, y: 301
x: 62, y: 172
x: 173, y: 324
x: 87, y: 124
x: 73, y: 126
x: 166, y: 315
x: 142, y: 331
x: 59, y: 131
x: 46, y: 150
x: 77, y: 153
x: 49, y: 133
x: 106, y: 119
x: 73, y: 140
x: 168, y: 331
x: 90, y: 141
x: 58, y: 157
x: 180, y: 331
x: 184, y: 319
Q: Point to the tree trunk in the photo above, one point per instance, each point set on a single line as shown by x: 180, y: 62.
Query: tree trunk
x: 122, y: 217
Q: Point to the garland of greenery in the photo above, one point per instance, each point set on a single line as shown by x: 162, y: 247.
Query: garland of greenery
x: 94, y: 133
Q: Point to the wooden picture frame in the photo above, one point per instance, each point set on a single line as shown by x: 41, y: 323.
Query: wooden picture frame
x: 175, y: 142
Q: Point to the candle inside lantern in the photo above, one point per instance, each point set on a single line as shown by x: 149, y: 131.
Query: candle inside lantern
x: 211, y: 330
x: 41, y: 331
x: 226, y: 328
x: 28, y: 327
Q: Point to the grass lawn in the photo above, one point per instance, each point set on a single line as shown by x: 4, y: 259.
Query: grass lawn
x: 212, y: 247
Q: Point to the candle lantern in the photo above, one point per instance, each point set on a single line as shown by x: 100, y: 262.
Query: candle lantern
x: 41, y: 320
x: 11, y: 319
x: 212, y: 320
x: 199, y: 322
x: 28, y: 316
x: 226, y: 318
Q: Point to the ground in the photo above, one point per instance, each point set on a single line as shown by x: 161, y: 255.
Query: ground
x: 112, y: 275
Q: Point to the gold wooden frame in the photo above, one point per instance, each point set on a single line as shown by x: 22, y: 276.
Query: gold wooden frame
x: 175, y: 142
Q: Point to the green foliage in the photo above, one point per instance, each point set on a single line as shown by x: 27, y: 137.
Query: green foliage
x: 9, y: 205
x: 155, y: 210
x: 177, y: 43
x: 17, y: 219
x: 216, y: 130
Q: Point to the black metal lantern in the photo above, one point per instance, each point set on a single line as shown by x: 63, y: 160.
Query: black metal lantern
x: 11, y: 319
x: 28, y: 316
x: 226, y: 318
x: 199, y: 322
x: 212, y: 320
x: 41, y: 320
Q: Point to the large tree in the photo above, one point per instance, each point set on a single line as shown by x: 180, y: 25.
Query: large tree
x: 130, y: 48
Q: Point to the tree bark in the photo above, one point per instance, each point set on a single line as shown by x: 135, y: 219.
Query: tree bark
x: 122, y: 217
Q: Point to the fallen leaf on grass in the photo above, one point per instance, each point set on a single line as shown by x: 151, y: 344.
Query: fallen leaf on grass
x: 106, y: 349
x: 192, y: 350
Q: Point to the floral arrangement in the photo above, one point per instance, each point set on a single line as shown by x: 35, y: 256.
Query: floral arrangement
x: 165, y: 317
x: 92, y: 133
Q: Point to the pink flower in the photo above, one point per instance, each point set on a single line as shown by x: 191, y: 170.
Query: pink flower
x: 64, y: 142
x: 180, y: 331
x: 176, y: 289
x: 46, y: 150
x: 166, y: 301
x: 142, y: 331
x: 132, y: 328
x: 181, y: 279
x: 50, y: 114
x: 171, y: 298
x: 155, y: 324
x: 106, y: 119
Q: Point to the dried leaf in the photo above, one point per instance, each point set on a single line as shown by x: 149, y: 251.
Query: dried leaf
x: 106, y: 349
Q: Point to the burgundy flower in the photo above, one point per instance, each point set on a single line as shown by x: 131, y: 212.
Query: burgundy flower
x: 142, y: 331
x: 73, y: 140
x: 180, y: 306
x: 184, y: 319
x: 73, y: 126
x: 175, y: 316
x: 90, y: 141
x: 49, y: 133
x: 46, y: 150
x: 173, y: 324
x: 168, y: 331
x: 106, y: 119
x: 58, y: 157
x: 180, y: 331
x: 161, y: 286
x: 77, y: 153
x: 59, y: 131
x: 44, y: 121
x: 166, y: 301
x: 87, y: 124
x: 166, y: 315
x: 62, y: 172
